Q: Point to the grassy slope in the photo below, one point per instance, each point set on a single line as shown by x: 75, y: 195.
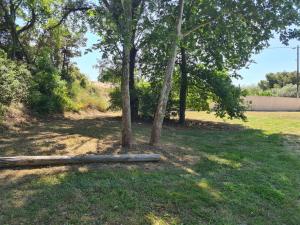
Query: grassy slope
x: 93, y: 96
x: 225, y: 173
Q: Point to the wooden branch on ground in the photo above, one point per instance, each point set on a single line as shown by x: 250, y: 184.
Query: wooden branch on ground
x: 66, y: 160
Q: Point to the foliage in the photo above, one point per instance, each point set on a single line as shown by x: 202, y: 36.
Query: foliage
x: 42, y: 34
x: 278, y: 80
x: 281, y: 84
x: 32, y: 21
x: 111, y: 74
x: 147, y: 96
x: 216, y: 87
x: 88, y: 96
x: 74, y: 74
x: 115, y: 99
x: 15, y: 80
x: 217, y: 36
x: 49, y: 93
x: 255, y: 90
x: 288, y: 90
x: 206, y: 89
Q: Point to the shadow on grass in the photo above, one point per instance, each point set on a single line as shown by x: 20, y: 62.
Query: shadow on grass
x: 217, y: 176
x: 58, y: 136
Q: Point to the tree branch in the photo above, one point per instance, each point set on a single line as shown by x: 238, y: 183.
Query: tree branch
x: 198, y: 27
x: 194, y: 29
x: 106, y: 4
x: 18, y: 4
x: 66, y: 14
x: 29, y: 24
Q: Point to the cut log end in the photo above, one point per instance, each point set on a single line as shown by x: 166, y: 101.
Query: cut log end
x: 19, y: 161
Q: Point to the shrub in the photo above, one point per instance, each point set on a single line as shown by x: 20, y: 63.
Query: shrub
x: 115, y: 99
x: 289, y: 90
x: 49, y: 93
x: 147, y: 98
x: 14, y: 80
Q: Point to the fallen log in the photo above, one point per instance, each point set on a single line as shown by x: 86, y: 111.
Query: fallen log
x: 82, y: 159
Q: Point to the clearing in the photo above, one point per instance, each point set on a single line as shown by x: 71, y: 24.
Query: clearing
x: 213, y: 172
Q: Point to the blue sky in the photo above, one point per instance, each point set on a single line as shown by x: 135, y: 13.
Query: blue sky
x: 272, y: 59
x: 87, y: 62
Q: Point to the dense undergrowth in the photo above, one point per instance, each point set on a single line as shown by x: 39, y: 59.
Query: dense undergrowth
x: 44, y: 89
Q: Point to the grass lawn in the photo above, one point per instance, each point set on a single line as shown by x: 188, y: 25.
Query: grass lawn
x: 213, y: 172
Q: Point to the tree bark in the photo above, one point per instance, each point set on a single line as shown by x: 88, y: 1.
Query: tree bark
x: 13, y: 31
x: 6, y: 162
x: 183, y: 86
x: 14, y: 43
x: 167, y: 84
x: 126, y: 114
x: 134, y: 104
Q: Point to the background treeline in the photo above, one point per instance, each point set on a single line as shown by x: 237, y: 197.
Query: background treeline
x: 281, y: 84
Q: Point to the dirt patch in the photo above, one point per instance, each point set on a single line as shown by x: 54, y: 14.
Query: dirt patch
x: 16, y: 117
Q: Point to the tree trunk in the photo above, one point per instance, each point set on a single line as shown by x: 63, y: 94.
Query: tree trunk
x: 13, y: 32
x: 14, y: 43
x: 166, y: 88
x: 183, y: 86
x: 126, y: 114
x: 134, y: 104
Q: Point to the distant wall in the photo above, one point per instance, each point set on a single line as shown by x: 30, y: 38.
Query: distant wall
x: 268, y: 103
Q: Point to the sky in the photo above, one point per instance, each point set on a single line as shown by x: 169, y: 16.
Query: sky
x: 275, y: 58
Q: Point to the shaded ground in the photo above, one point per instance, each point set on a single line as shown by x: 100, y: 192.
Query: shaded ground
x: 214, y: 172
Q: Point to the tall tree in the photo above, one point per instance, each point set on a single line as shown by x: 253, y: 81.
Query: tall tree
x: 118, y: 14
x: 110, y: 43
x: 10, y: 10
x: 15, y: 13
x: 166, y: 88
x: 234, y: 33
x: 126, y: 114
x: 224, y: 34
x: 183, y: 85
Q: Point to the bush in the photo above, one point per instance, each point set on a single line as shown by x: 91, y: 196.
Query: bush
x: 147, y: 98
x: 115, y: 99
x: 49, y: 93
x: 227, y: 97
x: 14, y: 81
x: 289, y: 90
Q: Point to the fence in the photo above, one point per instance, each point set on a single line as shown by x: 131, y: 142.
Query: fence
x: 268, y: 103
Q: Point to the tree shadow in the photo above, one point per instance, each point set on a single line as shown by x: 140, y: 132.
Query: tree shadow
x: 58, y: 136
x: 206, y: 176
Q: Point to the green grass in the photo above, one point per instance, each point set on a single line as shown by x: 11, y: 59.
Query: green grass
x: 225, y: 172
